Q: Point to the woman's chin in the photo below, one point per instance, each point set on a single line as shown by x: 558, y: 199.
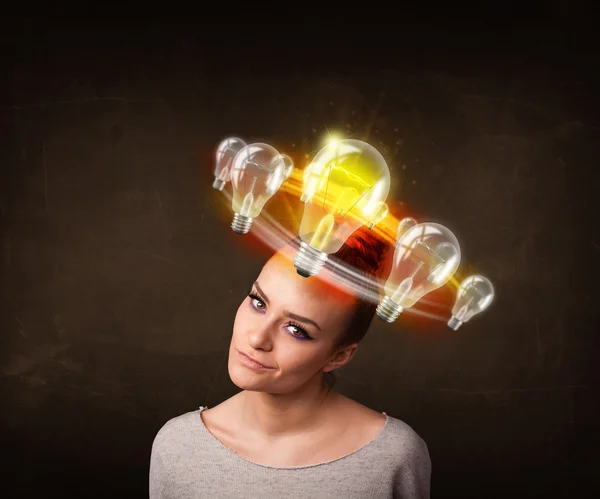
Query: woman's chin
x: 246, y: 379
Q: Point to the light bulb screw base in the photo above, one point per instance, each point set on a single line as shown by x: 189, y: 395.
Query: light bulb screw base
x: 454, y: 323
x: 241, y: 224
x: 388, y: 310
x: 218, y: 184
x: 308, y: 260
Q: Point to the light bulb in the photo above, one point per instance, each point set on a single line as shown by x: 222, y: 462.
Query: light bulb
x: 380, y: 211
x: 403, y: 226
x: 289, y: 165
x: 226, y: 151
x: 344, y: 186
x: 257, y: 172
x: 473, y: 296
x: 426, y: 258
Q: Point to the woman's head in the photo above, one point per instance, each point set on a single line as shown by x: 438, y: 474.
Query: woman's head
x: 303, y: 328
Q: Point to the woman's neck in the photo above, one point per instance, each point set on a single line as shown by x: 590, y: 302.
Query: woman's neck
x: 276, y: 416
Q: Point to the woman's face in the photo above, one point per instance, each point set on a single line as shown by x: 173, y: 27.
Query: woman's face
x: 290, y: 324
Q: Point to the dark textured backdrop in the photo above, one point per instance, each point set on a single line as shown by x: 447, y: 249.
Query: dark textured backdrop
x: 120, y: 275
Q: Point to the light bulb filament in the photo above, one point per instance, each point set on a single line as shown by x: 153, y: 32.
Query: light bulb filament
x: 343, y: 199
x: 435, y: 270
x: 247, y: 204
x: 421, y: 263
x: 348, y: 192
x: 402, y: 290
x: 345, y: 192
x: 353, y: 176
x: 253, y: 184
x: 462, y: 312
x: 433, y: 274
x: 259, y: 166
x: 431, y: 250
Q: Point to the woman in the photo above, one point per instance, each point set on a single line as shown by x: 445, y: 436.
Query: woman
x: 287, y: 433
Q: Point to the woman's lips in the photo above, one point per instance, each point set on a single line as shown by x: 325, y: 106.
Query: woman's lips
x: 251, y: 363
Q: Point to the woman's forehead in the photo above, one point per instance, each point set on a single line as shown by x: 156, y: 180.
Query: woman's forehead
x: 284, y: 283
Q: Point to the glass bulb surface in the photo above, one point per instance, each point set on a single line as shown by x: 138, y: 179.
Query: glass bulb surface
x: 473, y: 296
x: 427, y: 256
x: 226, y: 152
x: 288, y: 165
x: 403, y: 226
x: 344, y: 186
x: 257, y: 172
x: 380, y: 211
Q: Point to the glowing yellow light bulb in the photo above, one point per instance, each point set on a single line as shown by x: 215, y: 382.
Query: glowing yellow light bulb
x: 344, y: 201
x: 324, y: 229
x: 344, y: 188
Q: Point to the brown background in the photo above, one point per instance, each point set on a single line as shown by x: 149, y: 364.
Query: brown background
x: 120, y: 275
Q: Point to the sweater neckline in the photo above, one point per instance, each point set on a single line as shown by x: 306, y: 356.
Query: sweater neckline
x: 369, y: 444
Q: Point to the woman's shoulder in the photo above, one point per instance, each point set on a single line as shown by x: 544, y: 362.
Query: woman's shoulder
x: 406, y: 448
x: 405, y: 437
x: 177, y: 428
x: 399, y: 436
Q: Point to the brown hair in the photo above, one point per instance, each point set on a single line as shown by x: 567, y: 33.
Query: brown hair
x: 364, y: 252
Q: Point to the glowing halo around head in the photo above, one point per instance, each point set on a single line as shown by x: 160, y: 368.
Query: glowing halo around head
x: 274, y: 235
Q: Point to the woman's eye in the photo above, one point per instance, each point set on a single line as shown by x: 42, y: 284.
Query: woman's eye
x: 294, y: 330
x: 259, y: 304
x: 301, y: 332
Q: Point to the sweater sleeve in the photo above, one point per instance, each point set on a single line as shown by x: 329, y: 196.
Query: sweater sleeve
x: 413, y: 480
x: 159, y: 479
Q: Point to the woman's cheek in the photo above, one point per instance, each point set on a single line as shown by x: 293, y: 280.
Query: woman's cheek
x: 296, y: 359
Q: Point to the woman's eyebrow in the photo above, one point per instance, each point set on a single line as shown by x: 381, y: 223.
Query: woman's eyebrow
x: 289, y: 314
x: 261, y: 292
x: 301, y: 319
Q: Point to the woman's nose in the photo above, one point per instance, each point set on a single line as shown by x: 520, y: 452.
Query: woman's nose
x: 261, y: 334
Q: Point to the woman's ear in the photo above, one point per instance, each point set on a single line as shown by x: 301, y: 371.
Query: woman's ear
x: 341, y: 358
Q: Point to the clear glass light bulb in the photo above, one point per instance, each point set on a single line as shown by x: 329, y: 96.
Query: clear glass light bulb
x: 474, y: 295
x: 344, y: 186
x: 380, y: 211
x: 257, y: 172
x: 426, y: 258
x: 226, y: 151
x: 289, y: 165
x: 403, y: 226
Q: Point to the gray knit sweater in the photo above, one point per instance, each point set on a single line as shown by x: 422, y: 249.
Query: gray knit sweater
x: 188, y: 462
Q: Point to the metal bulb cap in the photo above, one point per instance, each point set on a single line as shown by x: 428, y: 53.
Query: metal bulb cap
x: 388, y: 310
x: 241, y: 224
x: 308, y: 260
x: 454, y: 323
x: 218, y: 184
